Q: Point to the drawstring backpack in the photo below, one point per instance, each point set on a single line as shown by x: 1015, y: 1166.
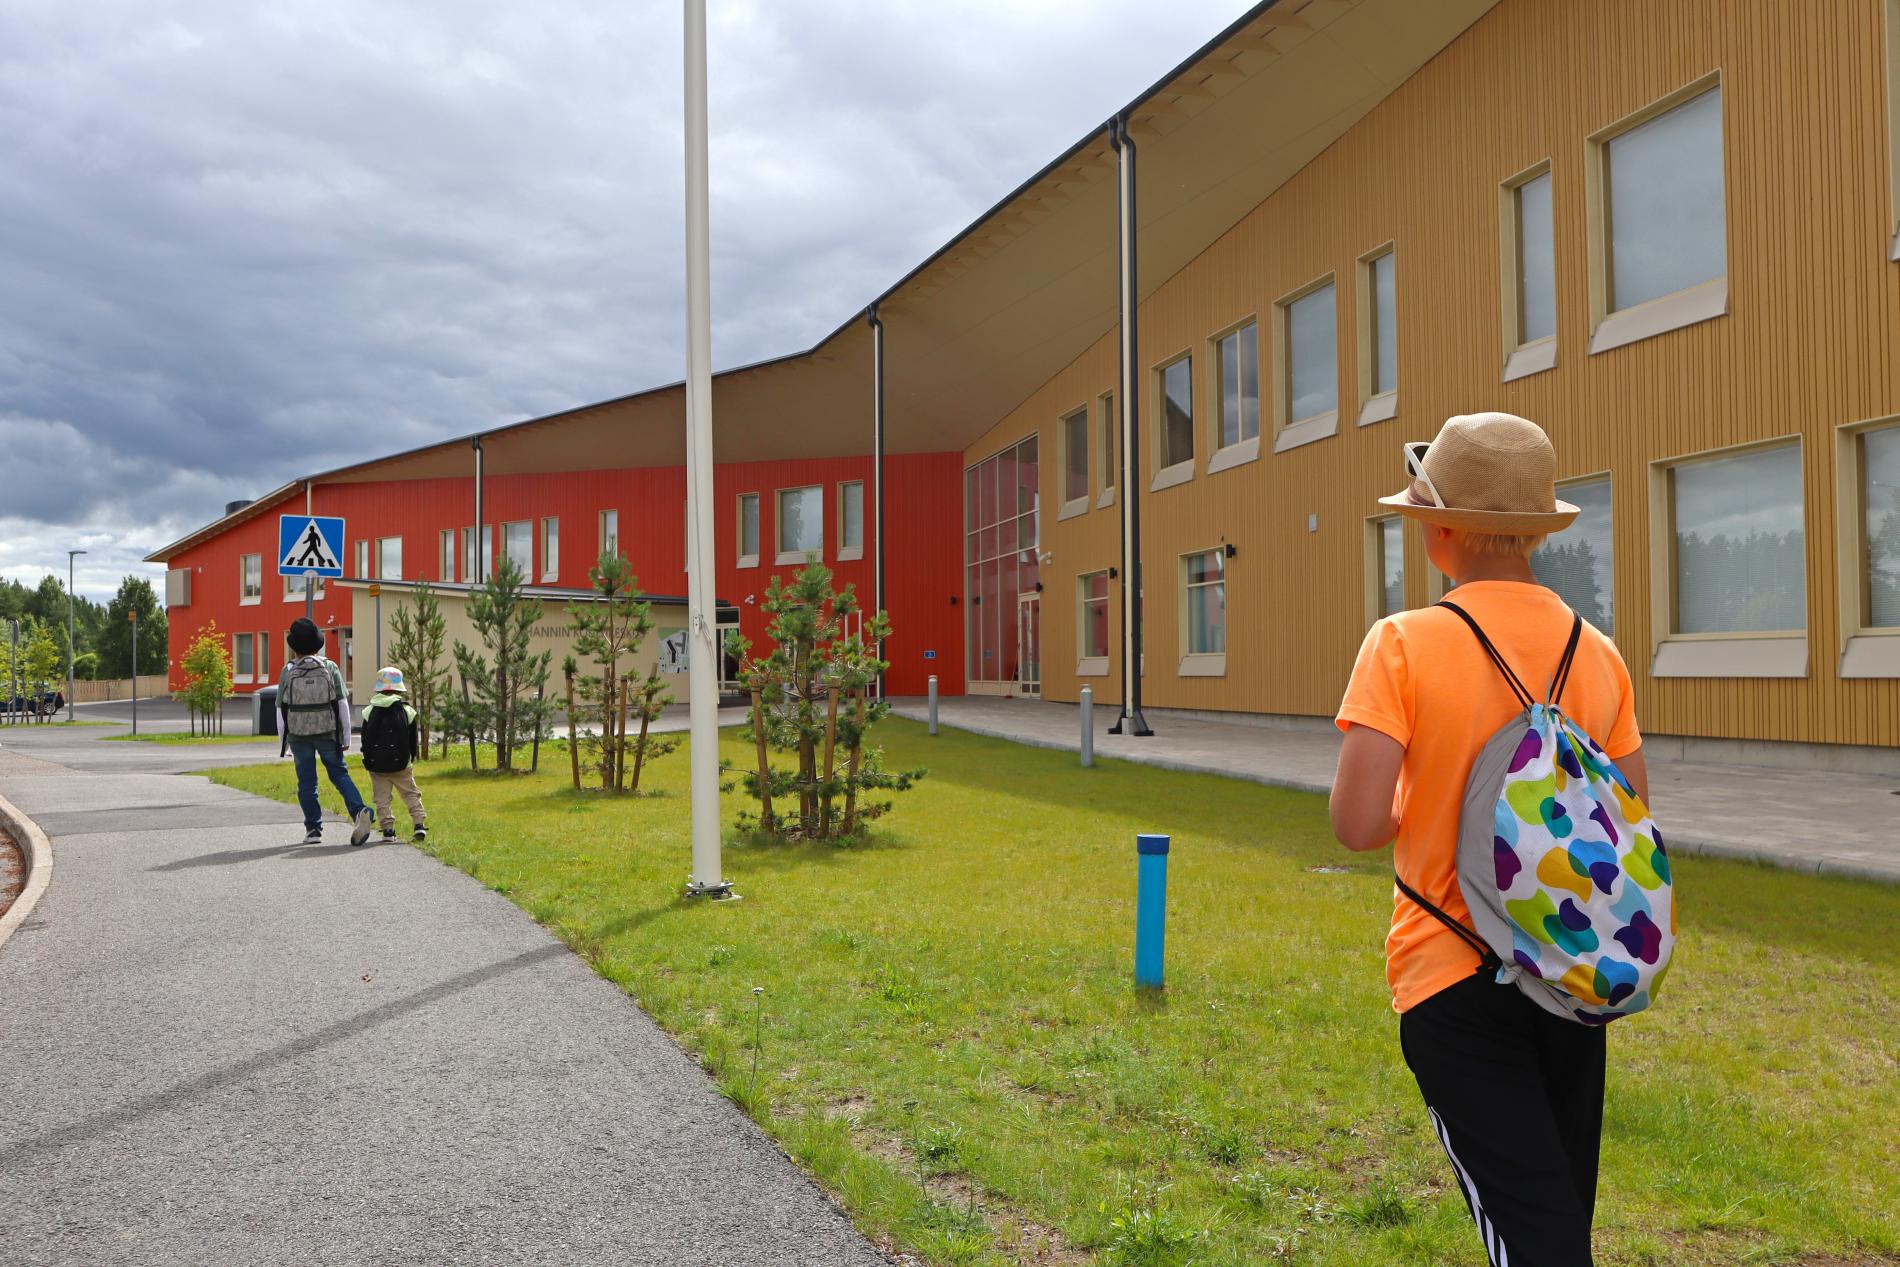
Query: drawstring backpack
x: 1560, y: 864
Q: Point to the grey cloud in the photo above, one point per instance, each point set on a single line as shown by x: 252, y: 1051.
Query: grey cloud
x: 241, y: 242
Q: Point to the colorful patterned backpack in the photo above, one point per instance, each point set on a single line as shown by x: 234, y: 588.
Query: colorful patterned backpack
x: 1561, y: 866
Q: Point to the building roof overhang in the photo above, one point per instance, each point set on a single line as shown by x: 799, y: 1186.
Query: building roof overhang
x: 1028, y: 286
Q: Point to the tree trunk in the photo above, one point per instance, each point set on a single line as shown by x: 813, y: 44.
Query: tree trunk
x: 469, y: 709
x: 573, y: 738
x: 831, y: 743
x: 620, y: 750
x: 640, y: 748
x: 851, y: 770
x: 534, y: 758
x: 765, y: 768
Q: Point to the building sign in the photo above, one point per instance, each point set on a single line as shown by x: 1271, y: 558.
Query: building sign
x: 673, y: 653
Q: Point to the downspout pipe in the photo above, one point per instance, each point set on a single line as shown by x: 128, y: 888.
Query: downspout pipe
x: 481, y: 570
x: 1131, y: 722
x: 877, y: 468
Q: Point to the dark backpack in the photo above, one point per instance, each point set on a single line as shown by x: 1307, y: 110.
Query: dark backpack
x: 386, y: 738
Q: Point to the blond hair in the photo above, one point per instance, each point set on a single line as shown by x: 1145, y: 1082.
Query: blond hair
x: 1502, y: 544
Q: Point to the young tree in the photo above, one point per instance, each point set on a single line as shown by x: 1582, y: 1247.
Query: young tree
x: 608, y: 632
x: 418, y: 648
x: 649, y: 698
x: 811, y: 698
x: 507, y: 702
x: 207, y: 673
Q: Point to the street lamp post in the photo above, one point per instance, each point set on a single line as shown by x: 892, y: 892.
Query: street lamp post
x: 70, y: 647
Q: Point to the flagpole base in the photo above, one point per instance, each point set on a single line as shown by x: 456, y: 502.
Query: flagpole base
x: 1131, y: 724
x: 719, y: 892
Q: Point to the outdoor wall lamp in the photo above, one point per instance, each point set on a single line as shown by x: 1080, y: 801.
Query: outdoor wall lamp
x: 1113, y: 573
x: 1231, y: 552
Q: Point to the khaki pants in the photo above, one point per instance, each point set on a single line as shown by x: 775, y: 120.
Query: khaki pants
x: 381, y: 785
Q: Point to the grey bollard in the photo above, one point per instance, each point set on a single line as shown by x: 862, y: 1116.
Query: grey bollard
x: 933, y: 703
x: 1088, y: 726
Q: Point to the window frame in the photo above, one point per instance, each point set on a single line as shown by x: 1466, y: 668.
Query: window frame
x: 602, y: 535
x: 1374, y: 560
x: 742, y: 559
x: 1070, y: 507
x: 550, y: 546
x: 1169, y: 474
x: 1893, y: 128
x: 847, y: 553
x: 783, y: 557
x: 1200, y: 663
x: 445, y: 552
x: 1378, y: 405
x: 247, y: 597
x: 527, y: 573
x: 248, y: 640
x: 1289, y: 432
x: 1222, y: 457
x: 1866, y: 651
x: 359, y: 558
x: 1768, y: 653
x: 382, y: 558
x: 1603, y: 476
x: 1522, y: 357
x: 1109, y: 442
x: 1087, y: 665
x: 1614, y: 328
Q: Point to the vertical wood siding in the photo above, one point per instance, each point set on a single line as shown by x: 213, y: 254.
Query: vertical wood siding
x: 1811, y: 341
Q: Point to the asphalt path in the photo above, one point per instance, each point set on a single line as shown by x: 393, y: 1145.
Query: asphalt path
x: 220, y: 1046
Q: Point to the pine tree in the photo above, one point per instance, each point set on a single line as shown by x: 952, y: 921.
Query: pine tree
x: 508, y: 702
x: 608, y: 632
x: 115, y: 635
x: 418, y: 648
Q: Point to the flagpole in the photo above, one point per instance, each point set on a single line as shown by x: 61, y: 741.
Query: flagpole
x: 702, y: 655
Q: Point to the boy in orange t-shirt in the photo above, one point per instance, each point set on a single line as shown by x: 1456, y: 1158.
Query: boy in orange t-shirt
x: 1515, y: 1094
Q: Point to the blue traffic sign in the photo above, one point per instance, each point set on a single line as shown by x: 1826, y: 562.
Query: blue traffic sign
x: 309, y: 543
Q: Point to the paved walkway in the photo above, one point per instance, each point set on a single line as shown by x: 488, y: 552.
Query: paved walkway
x: 218, y: 1046
x: 1840, y: 824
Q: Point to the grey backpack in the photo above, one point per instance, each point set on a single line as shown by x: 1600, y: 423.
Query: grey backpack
x: 308, y: 698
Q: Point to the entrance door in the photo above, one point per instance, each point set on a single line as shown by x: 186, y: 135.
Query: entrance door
x: 1029, y: 644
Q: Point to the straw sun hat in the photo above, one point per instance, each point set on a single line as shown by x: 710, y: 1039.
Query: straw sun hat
x: 1491, y: 473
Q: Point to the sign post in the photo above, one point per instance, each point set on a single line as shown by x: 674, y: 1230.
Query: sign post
x: 133, y: 616
x: 376, y: 592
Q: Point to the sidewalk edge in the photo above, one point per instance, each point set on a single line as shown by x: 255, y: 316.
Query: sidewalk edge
x: 38, y: 853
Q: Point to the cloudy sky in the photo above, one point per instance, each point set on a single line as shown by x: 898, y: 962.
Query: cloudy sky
x: 240, y: 242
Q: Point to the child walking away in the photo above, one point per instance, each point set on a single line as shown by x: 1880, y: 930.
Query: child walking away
x: 390, y: 747
x: 316, y: 726
x: 1493, y: 738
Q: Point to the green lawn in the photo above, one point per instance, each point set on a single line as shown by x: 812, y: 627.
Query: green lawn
x: 186, y: 737
x: 951, y: 1044
x: 9, y: 723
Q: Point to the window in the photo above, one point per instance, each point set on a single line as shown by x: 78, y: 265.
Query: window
x: 609, y: 532
x: 1735, y: 565
x: 1075, y: 463
x: 1578, y: 562
x: 293, y: 588
x: 550, y: 550
x: 1659, y: 247
x: 1378, y: 337
x: 1880, y: 526
x: 748, y: 530
x: 1307, y: 407
x: 1204, y: 613
x: 446, y: 549
x: 389, y: 558
x: 1174, y: 420
x: 851, y: 519
x: 468, y: 554
x: 801, y: 523
x: 1893, y: 126
x: 263, y: 657
x: 1237, y: 369
x: 1092, y: 623
x: 1111, y: 448
x: 360, y: 553
x: 250, y: 578
x: 1002, y: 522
x: 517, y: 544
x: 1385, y: 567
x: 1529, y: 272
x: 243, y: 657
x: 178, y: 587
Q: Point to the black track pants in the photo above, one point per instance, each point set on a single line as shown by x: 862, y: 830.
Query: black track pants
x: 1515, y: 1096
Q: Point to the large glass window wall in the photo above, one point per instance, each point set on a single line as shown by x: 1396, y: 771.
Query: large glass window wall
x: 1002, y: 509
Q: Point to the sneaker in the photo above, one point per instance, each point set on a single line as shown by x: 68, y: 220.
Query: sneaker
x: 314, y: 836
x: 365, y: 819
x: 389, y: 833
x: 422, y: 834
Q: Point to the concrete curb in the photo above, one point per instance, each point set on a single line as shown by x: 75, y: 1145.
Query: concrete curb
x: 1848, y: 867
x: 38, y: 852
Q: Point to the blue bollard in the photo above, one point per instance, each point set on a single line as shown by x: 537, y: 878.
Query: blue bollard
x: 1151, y: 909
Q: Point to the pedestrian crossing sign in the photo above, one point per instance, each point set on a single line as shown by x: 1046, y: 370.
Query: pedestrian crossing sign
x: 309, y: 544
